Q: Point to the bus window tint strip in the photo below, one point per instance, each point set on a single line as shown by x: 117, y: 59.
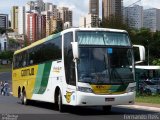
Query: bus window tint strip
x: 50, y: 50
x: 102, y: 38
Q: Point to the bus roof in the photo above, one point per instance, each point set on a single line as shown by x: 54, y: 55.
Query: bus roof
x: 147, y: 67
x: 65, y: 31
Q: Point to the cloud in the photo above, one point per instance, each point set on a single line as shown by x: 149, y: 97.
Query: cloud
x: 151, y: 4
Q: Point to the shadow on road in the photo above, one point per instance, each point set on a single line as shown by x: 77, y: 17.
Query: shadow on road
x: 89, y: 111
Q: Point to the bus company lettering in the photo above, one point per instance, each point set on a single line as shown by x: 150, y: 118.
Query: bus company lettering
x: 57, y: 69
x: 27, y: 72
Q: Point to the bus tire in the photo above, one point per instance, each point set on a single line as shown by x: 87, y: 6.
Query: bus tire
x: 23, y: 98
x: 60, y: 105
x: 107, y: 108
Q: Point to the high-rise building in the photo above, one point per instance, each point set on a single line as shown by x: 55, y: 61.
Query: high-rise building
x: 89, y: 21
x: 48, y: 6
x: 53, y: 24
x: 36, y: 25
x: 111, y: 8
x: 134, y: 16
x: 14, y: 18
x: 92, y: 21
x: 29, y: 6
x: 94, y: 7
x: 32, y: 27
x: 65, y: 14
x: 82, y: 22
x: 21, y: 20
x: 37, y: 5
x: 4, y: 21
x: 151, y: 19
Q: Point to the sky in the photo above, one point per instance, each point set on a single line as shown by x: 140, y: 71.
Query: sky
x: 79, y: 7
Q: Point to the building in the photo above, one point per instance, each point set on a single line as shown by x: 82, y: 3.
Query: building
x: 94, y: 7
x: 4, y: 21
x: 14, y: 18
x: 41, y: 26
x: 134, y: 16
x: 151, y: 19
x: 36, y: 25
x: 92, y: 20
x: 37, y: 5
x: 21, y: 20
x: 32, y: 28
x: 82, y: 22
x: 67, y: 25
x: 89, y: 21
x: 19, y: 39
x: 3, y: 42
x: 29, y: 6
x: 48, y: 6
x: 65, y: 14
x: 53, y: 24
x: 112, y: 8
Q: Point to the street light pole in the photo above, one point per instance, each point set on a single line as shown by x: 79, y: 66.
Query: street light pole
x: 148, y: 52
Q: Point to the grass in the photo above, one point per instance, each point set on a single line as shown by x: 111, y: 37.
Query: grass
x: 5, y: 68
x: 154, y: 99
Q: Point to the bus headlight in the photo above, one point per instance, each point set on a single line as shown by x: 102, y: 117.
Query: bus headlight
x: 131, y: 89
x: 85, y: 89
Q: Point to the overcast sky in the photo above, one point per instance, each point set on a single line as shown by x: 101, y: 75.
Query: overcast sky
x: 79, y: 7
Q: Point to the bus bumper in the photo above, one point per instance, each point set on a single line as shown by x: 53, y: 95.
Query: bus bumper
x: 90, y: 99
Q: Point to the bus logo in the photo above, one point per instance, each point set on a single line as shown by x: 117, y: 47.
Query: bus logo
x: 68, y: 96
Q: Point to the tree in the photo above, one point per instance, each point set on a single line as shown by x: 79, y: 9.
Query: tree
x: 156, y: 62
x: 2, y: 30
x: 8, y: 55
x: 13, y: 44
x: 114, y: 22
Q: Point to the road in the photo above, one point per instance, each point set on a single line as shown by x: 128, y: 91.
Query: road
x: 6, y: 76
x: 11, y: 107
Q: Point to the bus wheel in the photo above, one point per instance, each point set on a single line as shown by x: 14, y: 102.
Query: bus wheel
x: 23, y: 98
x: 60, y: 105
x: 107, y: 108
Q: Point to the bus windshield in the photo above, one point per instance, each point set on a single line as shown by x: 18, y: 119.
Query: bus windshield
x: 102, y: 65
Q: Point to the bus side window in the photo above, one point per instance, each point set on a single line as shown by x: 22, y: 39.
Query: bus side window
x: 71, y: 69
x: 31, y: 56
x: 68, y: 59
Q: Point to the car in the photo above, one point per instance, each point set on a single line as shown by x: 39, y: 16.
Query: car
x: 148, y: 87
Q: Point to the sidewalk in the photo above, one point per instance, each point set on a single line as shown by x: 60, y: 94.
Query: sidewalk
x: 148, y: 104
x: 143, y: 106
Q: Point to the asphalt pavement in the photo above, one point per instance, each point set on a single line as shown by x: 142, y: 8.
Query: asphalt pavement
x: 12, y: 106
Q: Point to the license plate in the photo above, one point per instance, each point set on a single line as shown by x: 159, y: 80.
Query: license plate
x: 109, y: 99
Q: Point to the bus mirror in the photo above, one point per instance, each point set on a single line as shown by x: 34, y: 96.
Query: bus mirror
x: 75, y: 50
x: 139, y: 53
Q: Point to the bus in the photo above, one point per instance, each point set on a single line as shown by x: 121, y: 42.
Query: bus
x: 77, y: 67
